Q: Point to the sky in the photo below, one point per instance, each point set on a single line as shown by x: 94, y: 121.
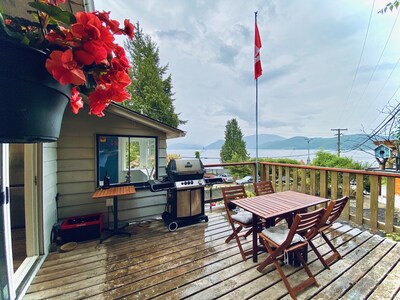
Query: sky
x: 326, y: 64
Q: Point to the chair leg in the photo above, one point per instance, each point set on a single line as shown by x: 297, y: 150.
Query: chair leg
x: 310, y: 280
x: 248, y: 232
x: 269, y: 259
x: 235, y: 234
x: 318, y: 254
x: 232, y: 235
x: 240, y: 247
x: 335, y: 255
x: 285, y: 280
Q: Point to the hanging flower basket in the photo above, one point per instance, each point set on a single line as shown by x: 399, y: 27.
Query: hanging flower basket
x: 32, y: 102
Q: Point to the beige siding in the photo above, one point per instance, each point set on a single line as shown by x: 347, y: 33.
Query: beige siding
x: 49, y: 191
x: 76, y: 175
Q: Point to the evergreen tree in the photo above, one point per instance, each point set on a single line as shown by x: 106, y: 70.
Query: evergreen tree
x: 234, y: 146
x: 151, y: 93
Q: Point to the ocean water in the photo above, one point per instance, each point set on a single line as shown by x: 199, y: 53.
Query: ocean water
x: 212, y: 156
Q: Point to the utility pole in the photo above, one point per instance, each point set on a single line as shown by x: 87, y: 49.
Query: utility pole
x: 338, y: 130
x: 308, y: 147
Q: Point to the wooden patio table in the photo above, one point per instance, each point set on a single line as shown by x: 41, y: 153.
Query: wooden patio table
x: 275, y: 205
x: 114, y: 192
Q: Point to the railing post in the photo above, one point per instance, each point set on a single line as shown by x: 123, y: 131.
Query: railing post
x: 266, y: 169
x: 346, y: 192
x: 373, y: 224
x: 359, y: 199
x: 287, y: 181
x: 295, y: 180
x: 303, y: 180
x: 390, y: 196
x: 323, y: 183
x: 273, y: 177
x: 334, y: 185
x: 280, y: 174
x: 312, y: 182
x: 261, y: 169
x: 255, y: 176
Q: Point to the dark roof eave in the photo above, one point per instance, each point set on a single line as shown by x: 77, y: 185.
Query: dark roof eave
x: 126, y: 113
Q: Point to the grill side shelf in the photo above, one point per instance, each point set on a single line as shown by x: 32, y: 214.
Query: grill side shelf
x: 158, y: 186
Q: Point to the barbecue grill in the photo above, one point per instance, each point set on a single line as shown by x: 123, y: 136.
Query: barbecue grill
x: 185, y: 192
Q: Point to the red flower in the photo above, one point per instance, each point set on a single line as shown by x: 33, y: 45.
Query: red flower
x: 92, y: 51
x: 90, y: 23
x: 86, y: 54
x: 112, y: 24
x: 129, y: 28
x: 121, y: 79
x: 64, y: 68
x: 76, y: 101
x: 120, y: 64
x: 97, y: 107
x: 103, y: 95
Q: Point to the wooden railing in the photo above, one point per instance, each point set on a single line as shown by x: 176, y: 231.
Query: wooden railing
x: 372, y: 193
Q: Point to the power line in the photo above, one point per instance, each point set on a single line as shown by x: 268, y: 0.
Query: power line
x: 390, y: 99
x: 361, y: 55
x: 382, y: 125
x: 379, y: 60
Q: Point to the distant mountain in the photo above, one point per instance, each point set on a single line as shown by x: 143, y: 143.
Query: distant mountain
x: 216, y: 145
x: 347, y: 142
x: 250, y: 141
x: 262, y: 139
x: 182, y: 146
x: 271, y: 141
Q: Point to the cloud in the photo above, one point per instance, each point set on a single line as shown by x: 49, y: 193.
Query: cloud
x: 178, y: 35
x: 310, y: 52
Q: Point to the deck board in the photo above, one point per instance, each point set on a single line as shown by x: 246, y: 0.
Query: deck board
x: 194, y: 262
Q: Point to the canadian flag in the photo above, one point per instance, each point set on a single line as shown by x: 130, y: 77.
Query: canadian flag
x: 257, y: 47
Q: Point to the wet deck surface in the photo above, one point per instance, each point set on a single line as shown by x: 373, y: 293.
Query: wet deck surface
x: 195, y: 263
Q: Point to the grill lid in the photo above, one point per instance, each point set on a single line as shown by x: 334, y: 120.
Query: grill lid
x: 184, y: 169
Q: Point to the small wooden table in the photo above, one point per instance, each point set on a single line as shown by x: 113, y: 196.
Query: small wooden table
x: 274, y: 205
x: 114, y: 192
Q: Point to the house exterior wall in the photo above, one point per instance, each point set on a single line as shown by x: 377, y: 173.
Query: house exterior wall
x: 49, y: 191
x: 76, y: 164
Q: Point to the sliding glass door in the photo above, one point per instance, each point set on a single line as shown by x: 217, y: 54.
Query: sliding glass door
x: 5, y: 275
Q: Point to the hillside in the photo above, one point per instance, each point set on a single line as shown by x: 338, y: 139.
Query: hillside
x: 271, y: 141
x: 348, y: 142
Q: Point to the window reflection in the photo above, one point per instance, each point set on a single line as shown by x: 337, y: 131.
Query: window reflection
x: 126, y: 159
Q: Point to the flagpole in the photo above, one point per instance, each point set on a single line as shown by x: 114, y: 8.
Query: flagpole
x: 256, y: 179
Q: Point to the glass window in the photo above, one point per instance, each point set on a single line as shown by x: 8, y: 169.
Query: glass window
x: 126, y: 159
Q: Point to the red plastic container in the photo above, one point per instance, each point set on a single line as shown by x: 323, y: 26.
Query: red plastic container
x: 81, y: 228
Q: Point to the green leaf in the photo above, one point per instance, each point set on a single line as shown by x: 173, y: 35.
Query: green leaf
x: 11, y: 33
x: 55, y: 12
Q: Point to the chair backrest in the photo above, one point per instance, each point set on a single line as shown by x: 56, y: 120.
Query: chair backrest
x: 232, y: 193
x: 305, y: 224
x: 263, y: 187
x: 333, y: 211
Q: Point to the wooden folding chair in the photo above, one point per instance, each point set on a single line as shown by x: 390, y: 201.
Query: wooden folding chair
x: 279, y: 241
x: 332, y: 213
x: 263, y: 187
x: 237, y: 221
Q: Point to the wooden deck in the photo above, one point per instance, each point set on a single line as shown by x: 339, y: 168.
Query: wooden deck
x: 194, y: 262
